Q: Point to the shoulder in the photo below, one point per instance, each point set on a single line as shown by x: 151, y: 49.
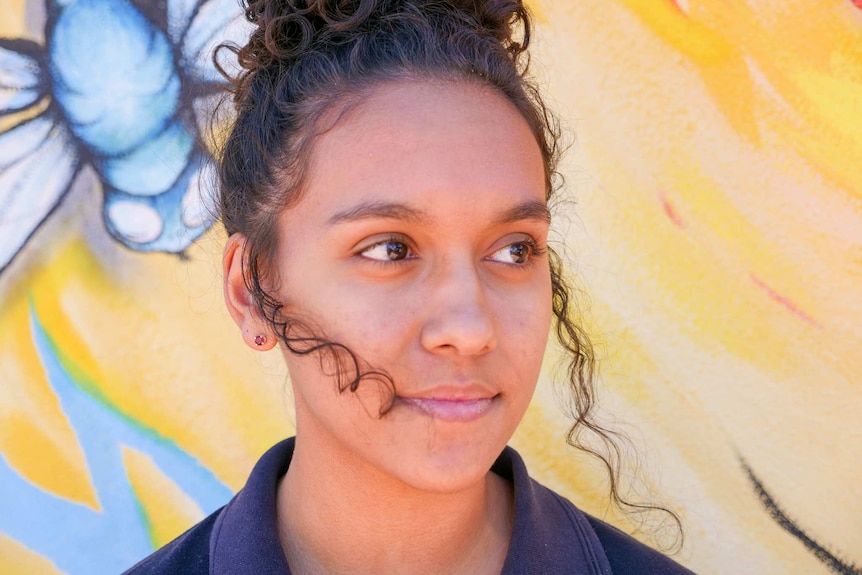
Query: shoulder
x: 551, y: 535
x: 188, y: 554
x: 625, y: 555
x: 628, y: 556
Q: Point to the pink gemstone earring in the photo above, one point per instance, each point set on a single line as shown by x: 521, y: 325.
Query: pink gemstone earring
x: 259, y: 339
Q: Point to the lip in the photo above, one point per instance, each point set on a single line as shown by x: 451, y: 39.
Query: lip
x: 461, y: 410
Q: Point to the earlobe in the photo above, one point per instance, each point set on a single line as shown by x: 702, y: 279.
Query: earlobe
x: 241, y: 304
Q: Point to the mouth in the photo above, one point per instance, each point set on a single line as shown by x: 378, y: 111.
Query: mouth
x: 449, y: 410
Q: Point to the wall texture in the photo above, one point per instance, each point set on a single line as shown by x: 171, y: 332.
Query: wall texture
x: 714, y: 220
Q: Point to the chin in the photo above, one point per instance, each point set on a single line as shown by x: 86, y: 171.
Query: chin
x: 452, y: 477
x: 445, y: 463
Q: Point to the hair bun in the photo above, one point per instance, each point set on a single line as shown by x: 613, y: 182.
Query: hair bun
x: 288, y: 28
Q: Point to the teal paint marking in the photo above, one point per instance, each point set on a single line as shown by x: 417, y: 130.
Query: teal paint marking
x: 77, y: 539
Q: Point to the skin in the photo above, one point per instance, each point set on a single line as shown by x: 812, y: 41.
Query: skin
x: 459, y: 319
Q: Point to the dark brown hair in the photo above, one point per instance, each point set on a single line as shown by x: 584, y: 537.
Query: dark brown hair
x: 308, y: 57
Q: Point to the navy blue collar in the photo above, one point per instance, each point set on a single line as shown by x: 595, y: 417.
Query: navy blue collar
x: 549, y: 534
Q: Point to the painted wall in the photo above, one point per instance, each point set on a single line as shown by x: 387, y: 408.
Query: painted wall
x: 715, y: 222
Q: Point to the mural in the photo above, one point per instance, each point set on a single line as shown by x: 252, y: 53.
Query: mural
x: 720, y: 238
x: 716, y: 226
x: 112, y: 89
x: 105, y: 97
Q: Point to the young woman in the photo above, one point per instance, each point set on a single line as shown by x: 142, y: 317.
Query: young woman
x: 385, y: 191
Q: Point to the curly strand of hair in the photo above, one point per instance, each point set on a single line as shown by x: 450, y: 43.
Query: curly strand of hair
x: 300, y: 340
x: 580, y: 376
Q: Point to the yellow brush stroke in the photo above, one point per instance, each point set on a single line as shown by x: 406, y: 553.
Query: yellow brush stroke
x: 684, y: 34
x: 810, y: 95
x: 12, y: 120
x: 711, y: 260
x: 828, y: 127
x: 537, y: 11
x: 661, y: 37
x: 167, y: 509
x: 154, y: 359
x: 12, y: 22
x: 47, y: 302
x: 35, y: 436
x: 15, y: 559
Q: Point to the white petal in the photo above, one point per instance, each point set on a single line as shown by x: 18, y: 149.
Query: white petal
x: 30, y: 189
x: 197, y: 203
x: 23, y: 140
x: 216, y: 22
x: 20, y: 84
x: 135, y: 220
x: 18, y: 70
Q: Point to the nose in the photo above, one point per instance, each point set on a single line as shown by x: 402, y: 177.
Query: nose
x: 458, y: 318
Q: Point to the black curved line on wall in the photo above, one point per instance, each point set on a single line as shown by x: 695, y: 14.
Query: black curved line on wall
x: 824, y: 555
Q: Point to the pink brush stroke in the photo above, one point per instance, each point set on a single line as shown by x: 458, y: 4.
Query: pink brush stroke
x: 783, y: 300
x: 670, y: 211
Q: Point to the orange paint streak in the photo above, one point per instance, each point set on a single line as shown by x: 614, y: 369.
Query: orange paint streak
x: 783, y: 300
x: 677, y: 5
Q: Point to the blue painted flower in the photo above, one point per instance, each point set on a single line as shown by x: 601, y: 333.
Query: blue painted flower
x: 112, y: 89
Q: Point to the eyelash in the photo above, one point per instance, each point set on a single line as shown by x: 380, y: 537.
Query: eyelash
x: 536, y: 251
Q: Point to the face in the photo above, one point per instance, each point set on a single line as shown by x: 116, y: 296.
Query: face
x: 419, y: 244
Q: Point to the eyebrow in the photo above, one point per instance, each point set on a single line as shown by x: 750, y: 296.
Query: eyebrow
x: 529, y: 210
x: 374, y: 210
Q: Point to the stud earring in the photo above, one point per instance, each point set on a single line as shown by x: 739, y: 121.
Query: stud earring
x: 259, y: 339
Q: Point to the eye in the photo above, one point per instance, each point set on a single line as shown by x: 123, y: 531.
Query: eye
x: 518, y: 253
x: 390, y: 250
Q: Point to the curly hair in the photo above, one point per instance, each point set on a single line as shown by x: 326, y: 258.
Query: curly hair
x: 308, y: 57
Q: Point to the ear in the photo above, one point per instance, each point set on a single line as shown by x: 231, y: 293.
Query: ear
x: 241, y: 304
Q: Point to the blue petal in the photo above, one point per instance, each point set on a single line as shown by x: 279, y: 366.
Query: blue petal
x: 21, y: 77
x: 32, y: 186
x: 154, y: 166
x: 168, y: 222
x: 216, y: 21
x: 113, y: 74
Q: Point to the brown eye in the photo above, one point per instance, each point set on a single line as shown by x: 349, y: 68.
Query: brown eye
x: 519, y: 253
x: 396, y: 250
x: 390, y: 250
x: 516, y: 254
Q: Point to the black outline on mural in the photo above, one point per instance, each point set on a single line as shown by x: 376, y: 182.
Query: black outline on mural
x: 824, y: 555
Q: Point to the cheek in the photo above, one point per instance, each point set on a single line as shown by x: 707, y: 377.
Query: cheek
x: 532, y: 345
x: 524, y: 325
x: 372, y: 321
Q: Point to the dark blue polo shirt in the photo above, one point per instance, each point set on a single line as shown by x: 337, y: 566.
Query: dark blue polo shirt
x: 550, y: 536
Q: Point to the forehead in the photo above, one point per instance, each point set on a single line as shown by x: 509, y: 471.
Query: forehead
x: 439, y: 147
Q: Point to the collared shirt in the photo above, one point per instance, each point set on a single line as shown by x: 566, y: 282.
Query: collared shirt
x: 550, y: 536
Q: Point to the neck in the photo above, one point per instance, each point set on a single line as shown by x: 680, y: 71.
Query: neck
x: 339, y: 515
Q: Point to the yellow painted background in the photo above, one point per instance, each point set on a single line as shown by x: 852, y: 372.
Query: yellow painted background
x: 715, y: 224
